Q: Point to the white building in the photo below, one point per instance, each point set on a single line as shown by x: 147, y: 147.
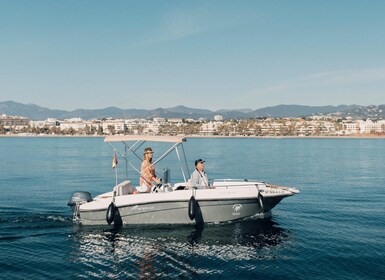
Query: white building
x: 369, y: 126
x: 210, y: 127
x: 74, y: 123
x: 218, y: 118
x: 350, y: 127
x: 177, y: 121
x: 159, y: 120
x: 116, y: 126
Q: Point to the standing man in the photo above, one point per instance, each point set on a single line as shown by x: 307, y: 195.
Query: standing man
x: 147, y: 173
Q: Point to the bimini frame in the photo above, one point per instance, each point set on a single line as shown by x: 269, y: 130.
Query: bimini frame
x: 139, y: 140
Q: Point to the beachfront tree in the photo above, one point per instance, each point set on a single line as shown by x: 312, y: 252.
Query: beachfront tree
x: 111, y: 129
x: 190, y: 128
x: 54, y: 130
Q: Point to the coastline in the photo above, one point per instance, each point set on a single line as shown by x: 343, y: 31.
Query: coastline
x: 365, y: 136
x: 51, y: 136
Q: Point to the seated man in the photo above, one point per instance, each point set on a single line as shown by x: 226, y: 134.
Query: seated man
x: 199, y: 178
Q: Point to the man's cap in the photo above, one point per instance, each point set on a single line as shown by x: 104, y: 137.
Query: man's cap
x: 199, y: 161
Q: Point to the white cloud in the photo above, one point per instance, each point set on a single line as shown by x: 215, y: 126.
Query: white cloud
x: 180, y: 23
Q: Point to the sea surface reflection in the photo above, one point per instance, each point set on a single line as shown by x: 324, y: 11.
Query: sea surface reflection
x: 148, y: 252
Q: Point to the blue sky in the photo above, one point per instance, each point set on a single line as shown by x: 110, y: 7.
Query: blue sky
x: 201, y: 54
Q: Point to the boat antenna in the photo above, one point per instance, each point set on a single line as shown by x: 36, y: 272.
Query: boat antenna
x: 114, y: 166
x: 112, y: 209
x: 126, y: 155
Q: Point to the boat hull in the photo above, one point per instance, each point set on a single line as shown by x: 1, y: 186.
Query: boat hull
x: 212, y: 206
x: 177, y: 212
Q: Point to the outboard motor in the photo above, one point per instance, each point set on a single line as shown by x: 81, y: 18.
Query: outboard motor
x: 78, y: 198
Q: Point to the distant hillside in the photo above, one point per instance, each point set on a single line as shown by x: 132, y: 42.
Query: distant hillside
x: 35, y: 112
x: 31, y: 111
x: 366, y: 112
x: 282, y: 111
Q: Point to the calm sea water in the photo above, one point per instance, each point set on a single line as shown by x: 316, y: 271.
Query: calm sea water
x: 333, y: 229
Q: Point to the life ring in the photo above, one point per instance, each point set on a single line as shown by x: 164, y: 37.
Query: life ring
x: 110, y: 215
x: 192, y: 208
x: 260, y: 201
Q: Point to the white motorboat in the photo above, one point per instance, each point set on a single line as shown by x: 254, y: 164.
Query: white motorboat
x: 224, y: 200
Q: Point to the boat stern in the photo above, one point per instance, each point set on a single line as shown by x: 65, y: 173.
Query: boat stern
x: 78, y: 198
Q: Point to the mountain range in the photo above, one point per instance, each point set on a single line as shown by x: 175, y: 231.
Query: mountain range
x: 35, y: 112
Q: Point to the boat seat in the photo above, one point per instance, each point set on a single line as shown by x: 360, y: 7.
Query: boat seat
x: 123, y: 188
